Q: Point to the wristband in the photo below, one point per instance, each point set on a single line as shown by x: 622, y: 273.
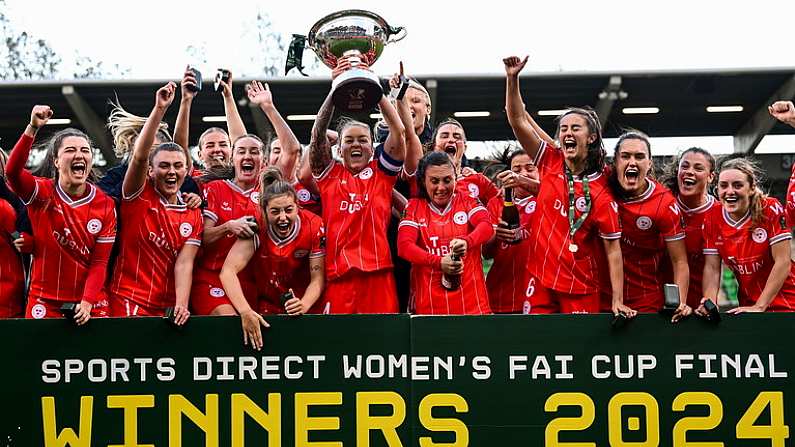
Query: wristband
x: 404, y: 85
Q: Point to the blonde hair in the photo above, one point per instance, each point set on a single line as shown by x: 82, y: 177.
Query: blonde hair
x: 756, y: 205
x: 125, y: 128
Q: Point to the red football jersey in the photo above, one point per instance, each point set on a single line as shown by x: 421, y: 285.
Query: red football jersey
x: 282, y: 265
x: 12, y: 277
x: 693, y: 220
x: 649, y: 221
x: 744, y: 246
x: 791, y: 197
x: 550, y: 260
x: 307, y: 200
x: 225, y: 201
x: 67, y: 232
x: 508, y: 282
x: 436, y: 228
x: 356, y: 212
x: 152, y: 235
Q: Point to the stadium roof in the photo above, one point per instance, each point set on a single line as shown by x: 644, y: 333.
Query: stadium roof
x: 681, y: 99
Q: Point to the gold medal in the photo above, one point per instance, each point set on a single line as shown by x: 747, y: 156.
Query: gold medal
x: 573, y: 248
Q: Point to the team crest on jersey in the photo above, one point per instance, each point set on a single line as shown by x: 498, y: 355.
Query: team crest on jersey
x: 530, y: 208
x: 94, y: 226
x: 474, y: 191
x: 460, y: 218
x: 254, y: 196
x: 217, y: 292
x: 300, y: 253
x: 759, y: 235
x: 643, y: 222
x: 38, y: 311
x: 185, y: 229
x: 581, y: 204
x: 304, y: 195
x: 366, y: 173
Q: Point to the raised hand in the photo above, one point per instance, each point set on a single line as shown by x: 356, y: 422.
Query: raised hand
x: 226, y: 87
x: 344, y: 63
x: 39, y: 116
x: 259, y: 94
x: 514, y: 65
x: 165, y: 95
x: 783, y: 111
x: 188, y: 84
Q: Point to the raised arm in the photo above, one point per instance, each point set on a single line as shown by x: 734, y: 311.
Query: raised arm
x: 783, y: 111
x: 260, y: 94
x: 135, y: 178
x: 515, y: 109
x: 182, y: 126
x: 395, y: 144
x: 20, y: 180
x: 319, y: 145
x: 234, y: 123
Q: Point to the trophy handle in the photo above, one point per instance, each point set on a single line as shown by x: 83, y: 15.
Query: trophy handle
x: 396, y: 34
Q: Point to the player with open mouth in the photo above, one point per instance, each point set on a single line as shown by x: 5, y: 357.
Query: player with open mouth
x: 288, y: 255
x: 751, y: 234
x: 74, y: 222
x: 576, y: 215
x: 652, y: 228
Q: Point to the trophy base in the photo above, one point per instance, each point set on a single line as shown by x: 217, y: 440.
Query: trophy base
x: 356, y: 91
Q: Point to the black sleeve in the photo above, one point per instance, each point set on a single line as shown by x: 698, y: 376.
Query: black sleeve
x: 112, y: 181
x: 23, y: 221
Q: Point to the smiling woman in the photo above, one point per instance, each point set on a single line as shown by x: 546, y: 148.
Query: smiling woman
x: 74, y: 222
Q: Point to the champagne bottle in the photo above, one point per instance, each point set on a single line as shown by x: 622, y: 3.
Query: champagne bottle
x: 510, y: 214
x: 452, y: 282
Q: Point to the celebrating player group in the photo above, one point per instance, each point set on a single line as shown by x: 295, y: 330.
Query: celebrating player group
x: 343, y: 225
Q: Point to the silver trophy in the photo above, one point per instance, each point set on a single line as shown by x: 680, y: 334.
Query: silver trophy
x: 356, y: 33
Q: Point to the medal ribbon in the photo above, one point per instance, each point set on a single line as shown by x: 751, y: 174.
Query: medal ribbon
x: 586, y: 189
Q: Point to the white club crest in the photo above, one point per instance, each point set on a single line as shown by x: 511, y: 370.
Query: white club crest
x: 474, y: 191
x: 38, y: 311
x: 303, y: 195
x: 185, y: 229
x: 643, y: 223
x: 217, y: 292
x: 759, y: 235
x: 94, y: 226
x: 530, y: 208
x: 580, y: 204
x: 254, y: 196
x: 366, y: 173
x: 460, y: 218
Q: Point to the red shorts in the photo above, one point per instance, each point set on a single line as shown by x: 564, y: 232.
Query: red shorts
x: 539, y: 300
x: 205, y: 295
x: 575, y: 304
x: 358, y: 292
x: 39, y: 308
x: 122, y: 307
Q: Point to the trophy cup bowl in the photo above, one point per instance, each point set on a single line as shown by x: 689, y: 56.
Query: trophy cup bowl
x: 362, y: 36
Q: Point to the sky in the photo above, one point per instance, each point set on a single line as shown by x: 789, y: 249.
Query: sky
x: 150, y: 37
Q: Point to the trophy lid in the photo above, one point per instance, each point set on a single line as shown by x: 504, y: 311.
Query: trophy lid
x: 356, y: 30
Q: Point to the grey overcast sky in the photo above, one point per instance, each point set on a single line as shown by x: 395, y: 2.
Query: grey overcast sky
x: 150, y: 36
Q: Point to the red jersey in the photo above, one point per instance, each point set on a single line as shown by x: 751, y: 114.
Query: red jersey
x: 649, y: 221
x: 744, y: 246
x: 152, y: 236
x: 434, y: 229
x: 551, y: 261
x: 693, y: 220
x: 307, y: 200
x: 283, y: 264
x: 791, y: 197
x: 225, y: 201
x: 12, y: 277
x: 356, y: 212
x: 67, y: 233
x: 509, y: 278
